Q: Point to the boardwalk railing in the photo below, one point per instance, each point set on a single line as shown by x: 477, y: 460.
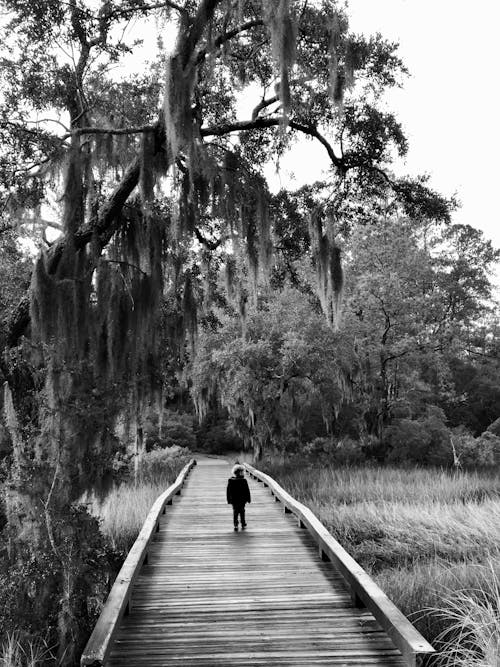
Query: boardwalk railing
x: 120, y: 598
x: 364, y: 590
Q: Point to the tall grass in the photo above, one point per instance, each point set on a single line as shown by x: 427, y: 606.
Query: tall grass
x: 473, y: 614
x: 348, y: 485
x: 425, y: 536
x: 15, y: 651
x: 123, y: 511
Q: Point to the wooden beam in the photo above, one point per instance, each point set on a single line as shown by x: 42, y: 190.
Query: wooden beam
x: 363, y: 589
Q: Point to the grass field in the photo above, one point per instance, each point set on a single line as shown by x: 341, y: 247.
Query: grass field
x: 430, y: 539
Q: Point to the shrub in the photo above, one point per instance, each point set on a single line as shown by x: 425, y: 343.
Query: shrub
x: 177, y: 431
x: 319, y: 449
x: 219, y: 438
x: 425, y: 441
x: 344, y: 451
x: 494, y: 427
x: 481, y: 452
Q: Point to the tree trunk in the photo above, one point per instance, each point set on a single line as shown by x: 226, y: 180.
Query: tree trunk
x: 257, y: 451
x: 48, y: 474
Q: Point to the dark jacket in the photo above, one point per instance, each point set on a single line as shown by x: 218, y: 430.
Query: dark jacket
x: 238, y: 492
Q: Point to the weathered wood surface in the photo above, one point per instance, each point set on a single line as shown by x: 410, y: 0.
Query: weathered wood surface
x: 210, y: 596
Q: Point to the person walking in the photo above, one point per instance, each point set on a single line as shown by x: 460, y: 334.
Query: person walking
x: 238, y: 494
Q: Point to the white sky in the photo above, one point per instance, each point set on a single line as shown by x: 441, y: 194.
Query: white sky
x: 449, y: 107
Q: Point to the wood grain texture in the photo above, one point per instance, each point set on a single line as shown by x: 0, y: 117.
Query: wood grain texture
x: 263, y: 596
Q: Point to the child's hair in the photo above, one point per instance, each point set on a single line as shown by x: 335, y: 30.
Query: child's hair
x: 238, y: 470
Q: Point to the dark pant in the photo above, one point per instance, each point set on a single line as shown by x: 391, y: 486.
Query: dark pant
x: 239, y: 510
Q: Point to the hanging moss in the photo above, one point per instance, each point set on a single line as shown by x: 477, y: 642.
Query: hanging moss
x: 282, y: 26
x: 73, y: 189
x: 264, y: 229
x: 328, y: 265
x: 177, y: 104
x: 337, y: 76
x: 189, y: 309
x: 231, y: 277
x: 147, y: 176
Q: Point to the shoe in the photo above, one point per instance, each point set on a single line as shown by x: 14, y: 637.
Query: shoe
x: 243, y: 526
x: 236, y: 529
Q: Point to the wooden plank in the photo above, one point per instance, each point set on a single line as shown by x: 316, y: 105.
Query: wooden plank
x: 404, y: 635
x: 119, y: 599
x: 209, y: 596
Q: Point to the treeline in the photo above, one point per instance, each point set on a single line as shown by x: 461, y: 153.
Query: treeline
x: 410, y: 374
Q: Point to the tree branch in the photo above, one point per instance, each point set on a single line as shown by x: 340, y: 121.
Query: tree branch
x: 211, y: 245
x: 263, y: 104
x: 145, y: 8
x: 260, y: 123
x: 113, y: 130
x: 222, y: 39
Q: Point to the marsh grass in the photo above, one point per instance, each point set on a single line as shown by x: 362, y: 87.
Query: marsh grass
x: 123, y: 510
x: 15, y: 651
x: 431, y: 540
x: 472, y: 638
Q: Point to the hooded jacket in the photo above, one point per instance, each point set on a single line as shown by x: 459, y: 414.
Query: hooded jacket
x: 237, y: 492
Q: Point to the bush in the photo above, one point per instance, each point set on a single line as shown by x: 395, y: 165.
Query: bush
x: 344, y: 451
x: 481, y: 452
x: 425, y: 441
x: 494, y: 427
x: 219, y: 438
x: 177, y: 431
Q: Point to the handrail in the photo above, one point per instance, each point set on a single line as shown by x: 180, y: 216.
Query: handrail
x: 363, y: 589
x: 119, y: 599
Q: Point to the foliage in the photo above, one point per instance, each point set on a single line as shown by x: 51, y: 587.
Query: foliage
x: 177, y: 431
x: 286, y: 366
x: 411, y: 323
x: 480, y: 452
x: 30, y: 588
x: 423, y: 441
x: 218, y: 437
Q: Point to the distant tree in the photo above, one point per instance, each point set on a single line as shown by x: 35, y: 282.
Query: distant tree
x: 272, y: 376
x: 413, y: 306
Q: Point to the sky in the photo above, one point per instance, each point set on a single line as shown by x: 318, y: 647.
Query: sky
x: 449, y: 107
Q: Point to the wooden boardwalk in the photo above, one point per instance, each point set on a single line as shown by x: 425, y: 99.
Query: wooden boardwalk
x: 263, y: 596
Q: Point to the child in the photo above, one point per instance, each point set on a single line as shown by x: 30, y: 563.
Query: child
x: 238, y: 494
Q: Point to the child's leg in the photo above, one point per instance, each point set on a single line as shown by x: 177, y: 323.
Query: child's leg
x: 235, y: 515
x: 242, y: 516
